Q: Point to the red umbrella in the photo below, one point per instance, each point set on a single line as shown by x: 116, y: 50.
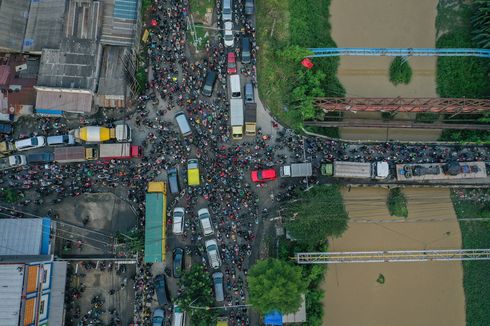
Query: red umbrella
x: 154, y: 22
x: 307, y: 63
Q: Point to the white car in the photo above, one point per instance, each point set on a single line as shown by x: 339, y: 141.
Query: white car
x: 205, y: 219
x: 213, y: 253
x: 228, y: 36
x: 178, y: 220
x: 30, y: 143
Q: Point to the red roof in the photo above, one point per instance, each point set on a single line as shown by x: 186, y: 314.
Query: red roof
x: 4, y: 74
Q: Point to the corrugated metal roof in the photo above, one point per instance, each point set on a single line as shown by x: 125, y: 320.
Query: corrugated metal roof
x: 155, y: 227
x: 11, y: 282
x: 126, y: 9
x: 65, y: 99
x: 45, y: 25
x: 13, y: 21
x: 57, y: 298
x: 20, y: 236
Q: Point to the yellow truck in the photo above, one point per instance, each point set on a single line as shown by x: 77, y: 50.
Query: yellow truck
x: 250, y: 119
x: 98, y: 134
x: 236, y: 118
x: 193, y: 178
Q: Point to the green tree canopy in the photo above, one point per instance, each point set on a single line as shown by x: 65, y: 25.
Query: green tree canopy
x: 317, y: 214
x: 400, y: 71
x: 276, y: 285
x: 197, y: 291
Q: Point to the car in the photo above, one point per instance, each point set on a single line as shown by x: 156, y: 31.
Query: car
x: 213, y: 253
x: 178, y: 318
x: 205, y: 219
x: 227, y: 13
x: 183, y: 124
x: 264, y: 175
x: 30, y: 143
x: 207, y: 89
x: 246, y: 57
x: 173, y: 180
x: 5, y: 128
x: 178, y: 262
x: 228, y: 34
x: 178, y: 220
x: 231, y: 63
x: 218, y: 286
x: 161, y: 289
x: 158, y: 317
x: 249, y: 7
x: 249, y: 93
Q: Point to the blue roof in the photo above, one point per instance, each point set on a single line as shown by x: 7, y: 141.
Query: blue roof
x: 126, y: 9
x: 46, y: 236
x: 273, y: 318
x: 48, y: 112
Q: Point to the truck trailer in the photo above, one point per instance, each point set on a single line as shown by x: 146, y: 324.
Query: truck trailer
x: 250, y: 119
x: 370, y: 170
x: 236, y: 118
x: 119, y: 151
x: 71, y: 154
x: 296, y: 170
x: 98, y: 134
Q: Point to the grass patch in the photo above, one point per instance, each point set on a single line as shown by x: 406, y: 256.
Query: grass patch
x: 463, y: 136
x: 329, y: 132
x: 283, y: 24
x: 145, y: 4
x: 200, y: 7
x: 400, y: 71
x: 202, y: 36
x: 316, y: 215
x: 472, y: 203
x: 427, y: 117
x: 459, y: 76
x: 397, y: 203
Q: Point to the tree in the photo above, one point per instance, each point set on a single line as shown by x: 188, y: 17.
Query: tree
x: 316, y: 215
x: 197, y: 292
x: 397, y: 203
x: 276, y: 285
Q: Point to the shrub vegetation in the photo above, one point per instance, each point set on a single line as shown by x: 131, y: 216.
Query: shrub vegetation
x: 400, y: 71
x: 397, y: 203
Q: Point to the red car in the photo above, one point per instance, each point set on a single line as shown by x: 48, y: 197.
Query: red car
x: 231, y: 63
x: 264, y: 175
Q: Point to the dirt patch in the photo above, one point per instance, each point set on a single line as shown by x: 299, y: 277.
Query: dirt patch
x: 425, y: 293
x: 390, y: 24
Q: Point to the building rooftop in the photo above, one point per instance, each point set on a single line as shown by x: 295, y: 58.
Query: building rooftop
x: 26, y: 236
x: 11, y: 283
x: 73, y: 65
x: 65, y: 99
x: 45, y: 25
x: 112, y: 75
x: 120, y: 22
x: 13, y: 22
x: 83, y: 19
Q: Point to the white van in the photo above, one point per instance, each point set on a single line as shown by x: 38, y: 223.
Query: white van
x: 183, y: 124
x: 30, y: 143
x: 213, y: 253
x: 205, y: 219
x: 178, y: 220
x: 178, y: 316
x: 235, y: 87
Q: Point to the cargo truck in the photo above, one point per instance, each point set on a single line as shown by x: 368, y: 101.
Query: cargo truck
x: 155, y: 222
x: 72, y: 154
x: 12, y: 161
x: 250, y: 119
x: 98, y: 134
x: 340, y: 169
x: 236, y: 118
x: 296, y: 170
x: 119, y: 151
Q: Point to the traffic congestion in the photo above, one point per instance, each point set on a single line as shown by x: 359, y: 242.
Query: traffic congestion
x: 215, y: 218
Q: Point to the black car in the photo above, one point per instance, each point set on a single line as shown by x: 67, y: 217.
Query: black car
x: 245, y: 44
x: 178, y: 266
x: 207, y: 89
x: 161, y: 290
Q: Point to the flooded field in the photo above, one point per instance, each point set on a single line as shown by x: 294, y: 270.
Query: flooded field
x: 424, y: 293
x: 390, y: 24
